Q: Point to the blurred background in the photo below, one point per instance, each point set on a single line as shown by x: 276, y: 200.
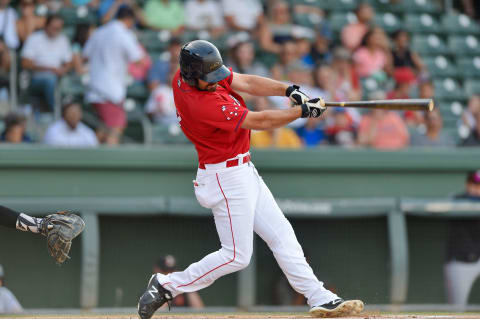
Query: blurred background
x: 382, y: 202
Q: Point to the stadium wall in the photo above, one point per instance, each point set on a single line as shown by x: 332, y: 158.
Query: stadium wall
x: 145, y: 205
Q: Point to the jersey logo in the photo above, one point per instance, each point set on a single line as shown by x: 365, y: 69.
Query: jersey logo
x: 230, y: 112
x: 179, y: 83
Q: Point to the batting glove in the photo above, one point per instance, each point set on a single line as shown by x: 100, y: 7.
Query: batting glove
x: 297, y: 96
x: 313, y: 108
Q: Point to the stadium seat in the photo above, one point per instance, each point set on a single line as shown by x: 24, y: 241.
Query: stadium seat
x: 420, y: 6
x: 387, y: 21
x: 386, y: 6
x: 338, y: 20
x: 448, y: 89
x: 460, y: 24
x: 472, y: 86
x: 308, y: 20
x: 154, y: 40
x: 429, y: 45
x: 469, y: 67
x: 325, y: 5
x: 76, y: 15
x: 342, y: 5
x: 423, y: 23
x: 138, y: 91
x: 464, y: 45
x: 72, y: 85
x: 163, y: 134
x: 440, y: 66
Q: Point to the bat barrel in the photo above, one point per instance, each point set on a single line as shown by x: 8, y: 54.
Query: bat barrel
x: 401, y: 104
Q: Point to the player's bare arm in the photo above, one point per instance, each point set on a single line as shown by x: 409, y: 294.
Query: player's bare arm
x: 261, y: 86
x: 271, y: 119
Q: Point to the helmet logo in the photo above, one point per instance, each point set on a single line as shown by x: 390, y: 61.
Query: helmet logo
x: 216, y: 65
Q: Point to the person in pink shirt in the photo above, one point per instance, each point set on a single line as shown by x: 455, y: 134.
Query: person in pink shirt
x: 373, y: 56
x: 382, y: 129
x: 353, y: 33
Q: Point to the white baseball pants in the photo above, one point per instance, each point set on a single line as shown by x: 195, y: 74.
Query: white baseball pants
x: 241, y: 204
x: 459, y: 279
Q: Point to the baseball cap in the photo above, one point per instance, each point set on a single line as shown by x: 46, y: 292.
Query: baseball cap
x: 404, y: 75
x: 167, y: 263
x: 473, y: 177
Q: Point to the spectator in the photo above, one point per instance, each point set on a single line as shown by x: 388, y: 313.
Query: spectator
x: 415, y: 119
x: 313, y: 132
x: 341, y: 130
x: 288, y: 56
x: 8, y: 303
x: 473, y: 139
x: 283, y: 137
x: 167, y: 264
x: 462, y: 267
x: 321, y: 53
x: 373, y: 58
x: 4, y: 65
x: 303, y: 39
x: 204, y: 15
x: 107, y: 86
x: 139, y: 70
x: 245, y: 15
x: 69, y: 130
x: 468, y: 115
x: 402, y: 55
x: 14, y: 133
x: 404, y: 80
x: 108, y: 9
x: 383, y: 129
x: 279, y: 28
x: 8, y: 23
x: 346, y: 83
x: 165, y: 64
x: 47, y: 53
x: 353, y: 33
x: 29, y: 21
x: 82, y: 33
x: 165, y: 15
x: 434, y: 136
x: 160, y: 106
x: 242, y: 56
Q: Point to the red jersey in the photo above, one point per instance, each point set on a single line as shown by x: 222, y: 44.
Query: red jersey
x: 212, y: 120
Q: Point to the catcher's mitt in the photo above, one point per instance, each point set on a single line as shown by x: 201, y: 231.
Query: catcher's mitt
x: 60, y: 229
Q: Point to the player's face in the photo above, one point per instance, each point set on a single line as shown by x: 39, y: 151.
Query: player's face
x: 205, y: 86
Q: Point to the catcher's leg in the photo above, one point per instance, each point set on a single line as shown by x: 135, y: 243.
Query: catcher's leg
x: 12, y: 219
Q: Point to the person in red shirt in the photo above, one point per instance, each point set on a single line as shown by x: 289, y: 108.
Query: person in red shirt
x: 215, y: 118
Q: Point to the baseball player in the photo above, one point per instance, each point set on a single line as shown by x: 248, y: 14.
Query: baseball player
x: 59, y: 228
x: 215, y: 118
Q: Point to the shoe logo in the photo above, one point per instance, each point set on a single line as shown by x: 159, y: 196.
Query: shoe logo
x: 153, y: 291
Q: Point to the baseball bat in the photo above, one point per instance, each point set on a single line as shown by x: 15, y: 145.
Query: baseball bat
x: 400, y: 104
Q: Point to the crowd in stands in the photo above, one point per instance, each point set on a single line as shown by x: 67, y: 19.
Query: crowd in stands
x: 291, y: 41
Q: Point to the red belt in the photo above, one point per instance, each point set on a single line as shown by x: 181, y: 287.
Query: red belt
x: 230, y: 163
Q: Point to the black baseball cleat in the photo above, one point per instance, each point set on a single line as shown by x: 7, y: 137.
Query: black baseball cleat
x: 153, y: 298
x: 337, y: 308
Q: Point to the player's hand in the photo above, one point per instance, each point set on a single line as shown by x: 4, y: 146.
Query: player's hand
x: 313, y: 108
x: 297, y: 96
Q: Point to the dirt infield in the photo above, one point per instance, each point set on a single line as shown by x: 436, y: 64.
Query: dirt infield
x: 365, y: 315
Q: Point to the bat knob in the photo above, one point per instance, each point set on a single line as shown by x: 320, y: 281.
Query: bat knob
x: 431, y: 105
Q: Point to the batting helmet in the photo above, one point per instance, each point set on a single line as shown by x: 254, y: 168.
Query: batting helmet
x: 200, y: 59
